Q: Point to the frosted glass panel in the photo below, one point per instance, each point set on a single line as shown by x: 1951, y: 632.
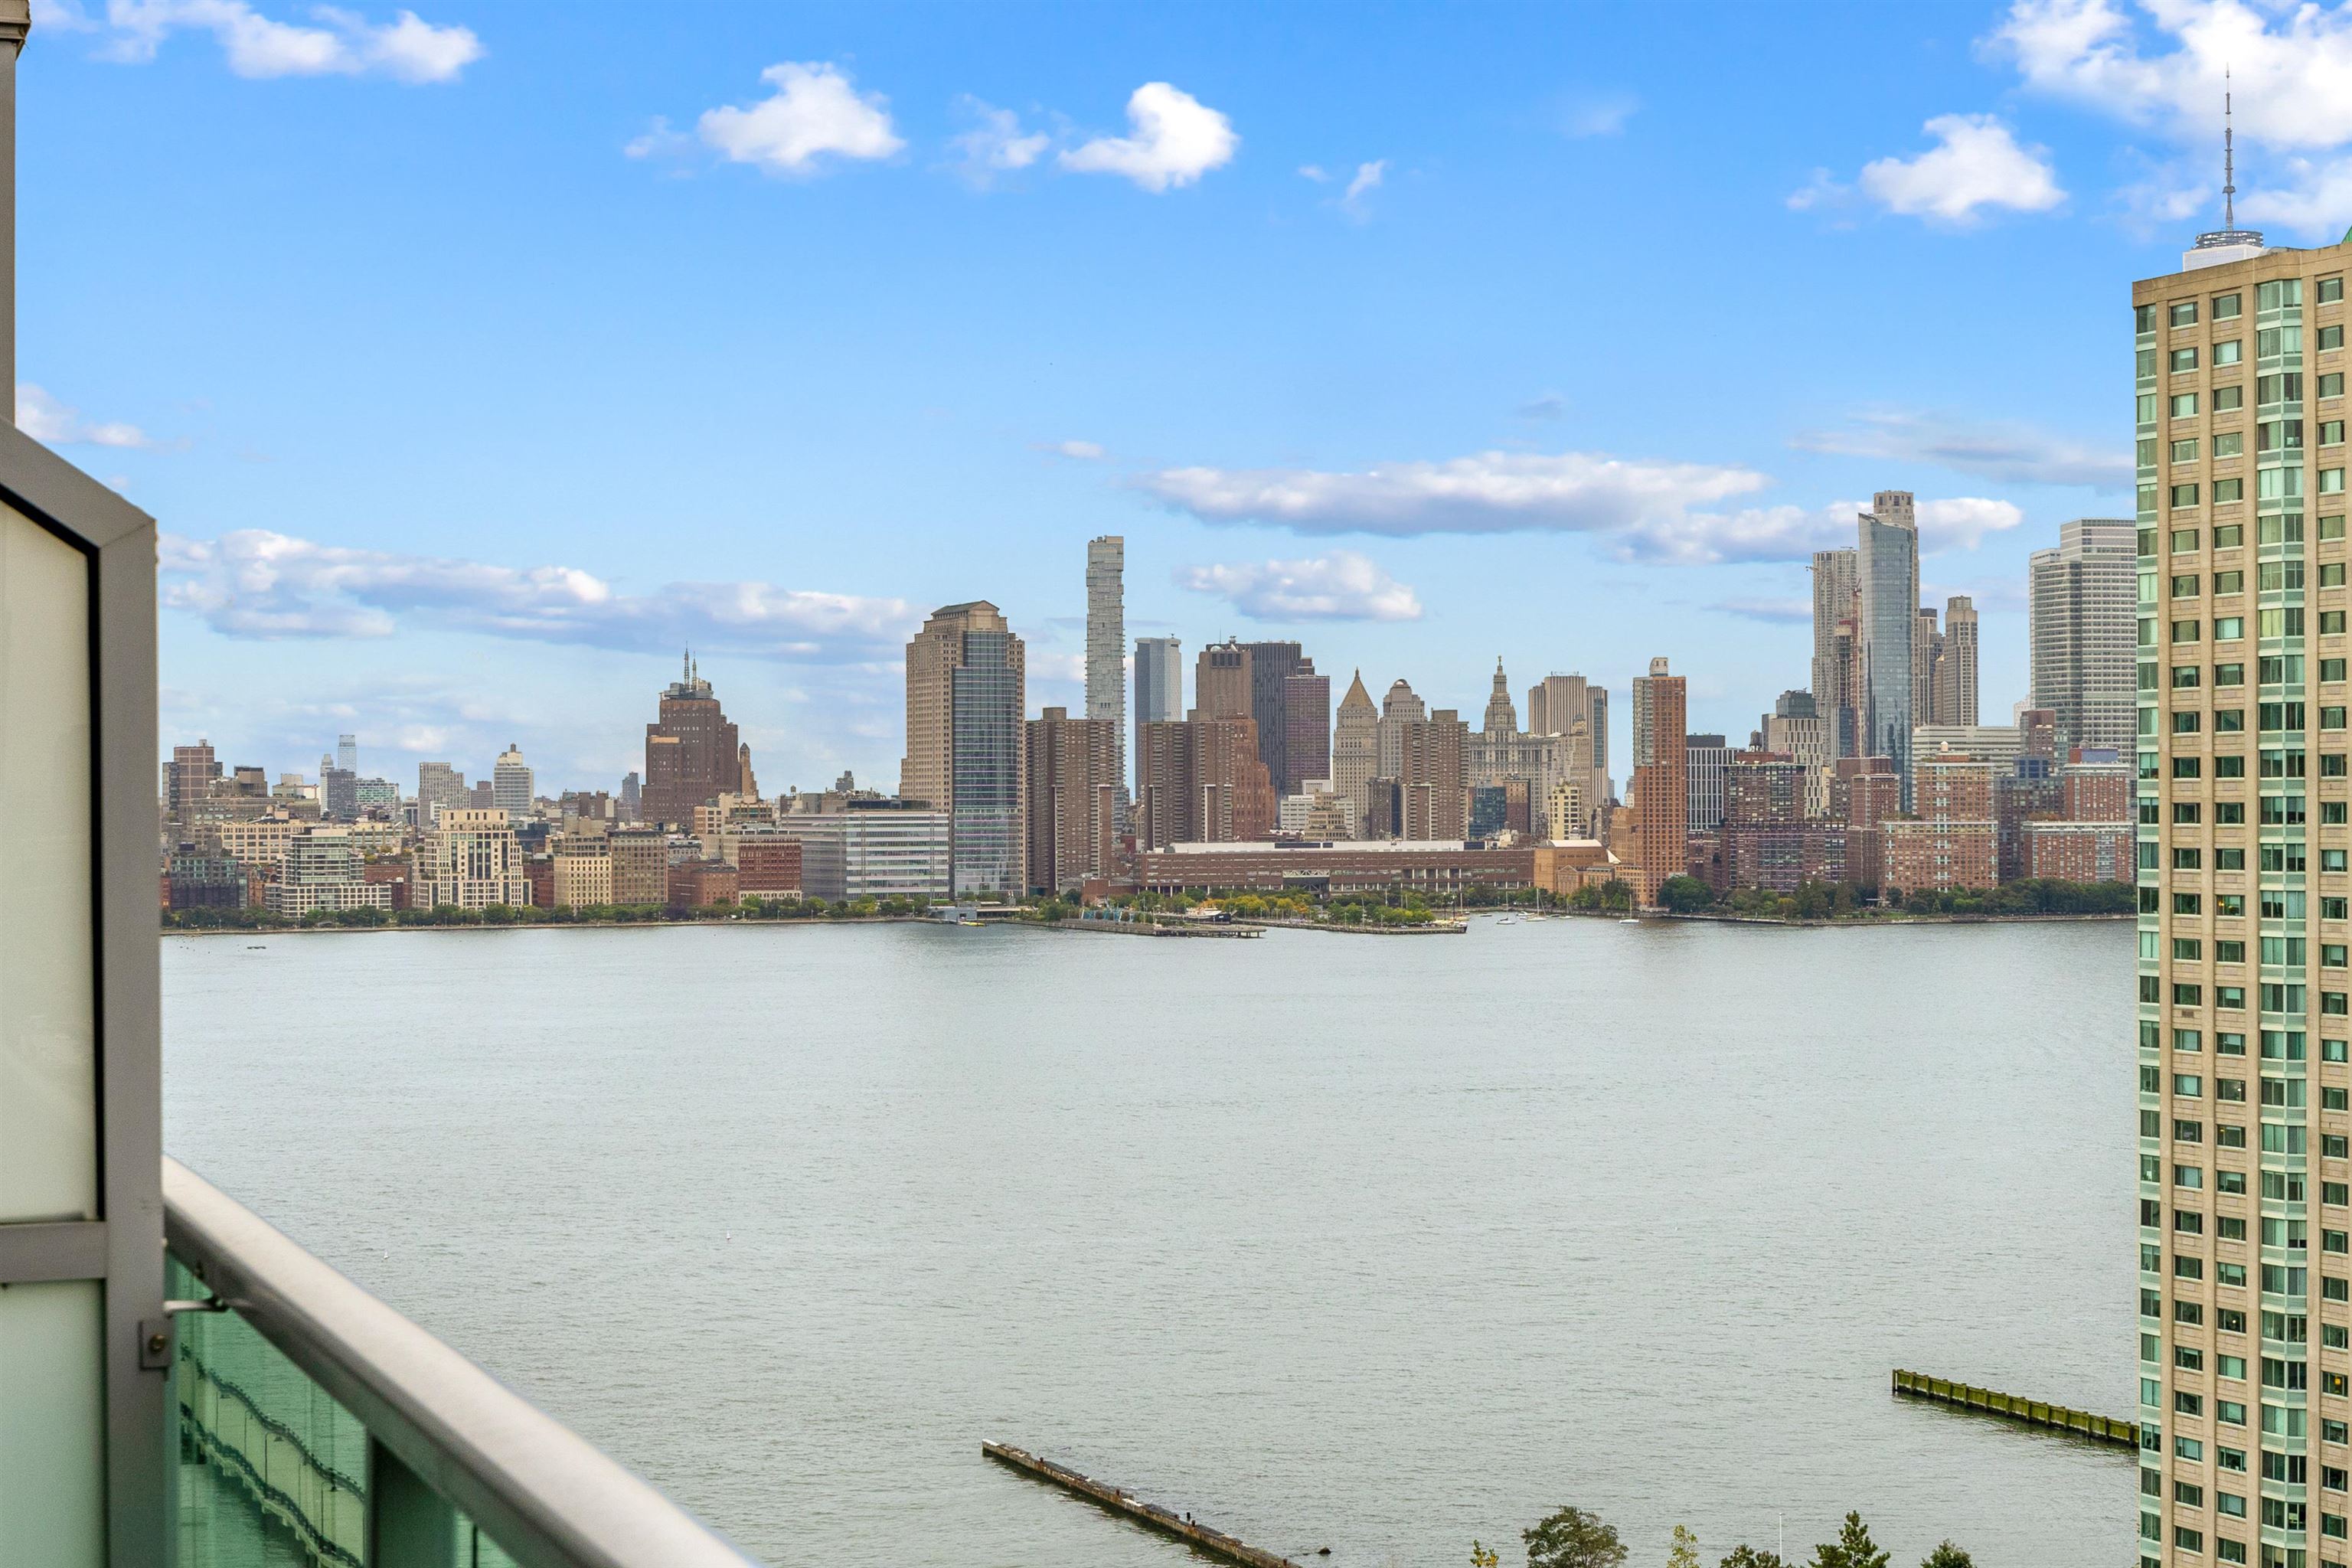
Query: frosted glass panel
x: 48, y: 1081
x: 52, y: 1425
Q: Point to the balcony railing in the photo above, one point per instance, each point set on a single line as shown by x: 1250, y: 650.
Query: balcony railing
x: 312, y: 1415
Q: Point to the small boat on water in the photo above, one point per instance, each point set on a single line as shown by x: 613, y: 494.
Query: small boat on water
x: 1508, y: 921
x: 970, y: 922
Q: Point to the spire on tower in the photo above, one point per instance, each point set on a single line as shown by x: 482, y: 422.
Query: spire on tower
x: 2229, y: 158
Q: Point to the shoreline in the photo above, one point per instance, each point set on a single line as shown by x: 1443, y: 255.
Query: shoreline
x: 1862, y: 922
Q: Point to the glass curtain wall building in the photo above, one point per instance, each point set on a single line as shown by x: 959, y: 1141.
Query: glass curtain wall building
x: 989, y: 696
x: 2246, y: 1216
x: 1887, y: 573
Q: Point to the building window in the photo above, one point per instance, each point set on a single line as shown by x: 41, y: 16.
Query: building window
x: 2185, y: 676
x: 2331, y: 338
x: 2184, y: 631
x: 2229, y: 442
x: 2331, y: 482
x: 2185, y: 587
x: 2228, y: 490
x: 2331, y: 432
x: 2229, y: 675
x: 2185, y: 451
x: 2183, y: 360
x: 2183, y: 495
x: 2230, y: 582
x: 2229, y: 354
x: 2229, y: 535
x: 2332, y: 385
x: 2225, y: 309
x: 2226, y: 400
x: 2184, y: 405
x: 2183, y: 314
x: 2187, y: 767
x: 2331, y: 289
x: 2228, y: 628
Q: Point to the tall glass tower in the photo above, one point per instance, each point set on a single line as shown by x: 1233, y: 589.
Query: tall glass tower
x: 1107, y: 642
x: 1886, y: 576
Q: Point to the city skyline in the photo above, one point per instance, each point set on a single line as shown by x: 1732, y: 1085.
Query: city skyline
x: 1263, y: 490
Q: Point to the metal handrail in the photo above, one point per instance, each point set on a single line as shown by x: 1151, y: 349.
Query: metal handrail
x: 548, y: 1497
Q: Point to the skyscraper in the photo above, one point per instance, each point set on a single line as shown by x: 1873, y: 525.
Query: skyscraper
x: 1072, y: 798
x: 439, y: 787
x: 1203, y: 782
x: 1926, y: 648
x: 347, y: 753
x: 966, y: 691
x: 1708, y: 766
x: 1955, y: 663
x: 1596, y: 724
x: 1159, y: 691
x: 1834, y: 575
x: 692, y: 752
x: 2080, y: 622
x: 1107, y: 645
x: 1221, y: 681
x: 1661, y: 786
x: 1272, y: 667
x: 1502, y: 718
x: 1886, y: 569
x: 2245, y: 1297
x: 1355, y: 748
x: 1307, y: 729
x: 511, y: 783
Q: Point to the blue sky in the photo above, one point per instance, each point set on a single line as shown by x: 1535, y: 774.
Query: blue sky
x: 474, y: 358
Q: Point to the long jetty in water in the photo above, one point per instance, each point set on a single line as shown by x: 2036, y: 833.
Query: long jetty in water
x: 1149, y: 1515
x: 2107, y: 1429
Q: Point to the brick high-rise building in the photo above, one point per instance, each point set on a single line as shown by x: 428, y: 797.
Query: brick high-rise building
x: 1272, y: 667
x: 1222, y: 681
x: 640, y: 865
x: 1159, y: 695
x: 1770, y: 840
x: 1072, y: 800
x: 1955, y: 663
x: 1107, y: 645
x: 1432, y: 799
x: 188, y: 785
x: 1205, y: 782
x: 1864, y: 792
x: 692, y: 752
x: 1952, y: 839
x: 1661, y: 787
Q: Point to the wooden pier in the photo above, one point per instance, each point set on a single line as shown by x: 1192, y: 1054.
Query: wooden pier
x: 1149, y: 1515
x: 2105, y: 1429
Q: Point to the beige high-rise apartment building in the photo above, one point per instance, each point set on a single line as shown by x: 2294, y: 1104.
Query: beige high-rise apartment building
x: 1956, y: 665
x: 966, y: 691
x: 1072, y: 814
x: 1926, y: 648
x: 470, y: 859
x: 2080, y: 626
x: 2246, y: 1226
x: 1355, y: 749
x: 1222, y: 679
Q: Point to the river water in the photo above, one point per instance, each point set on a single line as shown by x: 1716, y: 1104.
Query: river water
x: 1373, y: 1242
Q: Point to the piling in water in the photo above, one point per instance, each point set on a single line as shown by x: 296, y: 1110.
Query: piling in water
x: 2105, y: 1429
x: 1150, y: 1515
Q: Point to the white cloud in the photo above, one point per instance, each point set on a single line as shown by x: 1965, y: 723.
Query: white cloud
x: 1339, y: 585
x: 1978, y: 164
x: 2013, y: 454
x: 1083, y: 451
x: 1819, y: 194
x: 1367, y: 180
x: 1661, y: 513
x: 1314, y: 172
x: 44, y: 419
x: 1173, y: 138
x: 2160, y: 65
x: 813, y: 113
x: 661, y: 140
x: 1776, y: 611
x: 1582, y: 115
x: 995, y: 144
x: 407, y: 48
x: 1491, y: 492
x: 256, y: 583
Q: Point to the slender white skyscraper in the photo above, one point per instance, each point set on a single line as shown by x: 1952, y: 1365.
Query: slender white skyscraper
x: 347, y: 753
x: 1106, y: 640
x: 1159, y: 689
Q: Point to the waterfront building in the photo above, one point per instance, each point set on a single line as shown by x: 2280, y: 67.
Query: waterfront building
x: 261, y: 841
x: 2096, y: 790
x: 966, y: 693
x: 693, y: 755
x: 1835, y: 586
x: 640, y: 858
x: 1956, y: 663
x: 1306, y: 712
x: 874, y: 847
x: 1571, y: 706
x: 470, y: 860
x: 1660, y: 788
x: 2027, y: 793
x: 579, y: 872
x: 194, y: 881
x: 1708, y: 762
x: 2081, y: 619
x: 1330, y: 816
x: 1886, y: 571
x: 1864, y: 793
x: 1107, y: 646
x: 1072, y: 800
x: 439, y: 787
x: 1158, y: 694
x: 768, y: 862
x: 701, y: 884
x: 2240, y: 607
x: 511, y: 783
x: 2079, y: 851
x: 323, y: 871
x: 1951, y: 840
x: 1431, y: 802
x: 1437, y: 870
x: 1567, y: 813
x: 1770, y: 837
x: 1203, y: 781
x: 1355, y: 751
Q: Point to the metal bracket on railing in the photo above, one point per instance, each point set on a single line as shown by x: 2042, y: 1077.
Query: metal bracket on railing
x: 155, y: 1333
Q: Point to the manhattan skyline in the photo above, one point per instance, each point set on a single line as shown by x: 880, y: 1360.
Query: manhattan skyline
x: 690, y: 361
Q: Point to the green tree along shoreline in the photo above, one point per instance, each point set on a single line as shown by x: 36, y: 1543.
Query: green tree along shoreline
x: 1572, y: 1538
x: 1686, y: 896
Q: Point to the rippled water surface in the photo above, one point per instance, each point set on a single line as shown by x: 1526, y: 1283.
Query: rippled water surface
x: 1378, y: 1243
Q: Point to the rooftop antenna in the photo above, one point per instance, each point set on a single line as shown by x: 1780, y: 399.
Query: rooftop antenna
x: 2229, y: 158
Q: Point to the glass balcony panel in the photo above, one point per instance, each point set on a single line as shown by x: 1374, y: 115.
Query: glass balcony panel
x: 52, y: 1425
x: 48, y: 1078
